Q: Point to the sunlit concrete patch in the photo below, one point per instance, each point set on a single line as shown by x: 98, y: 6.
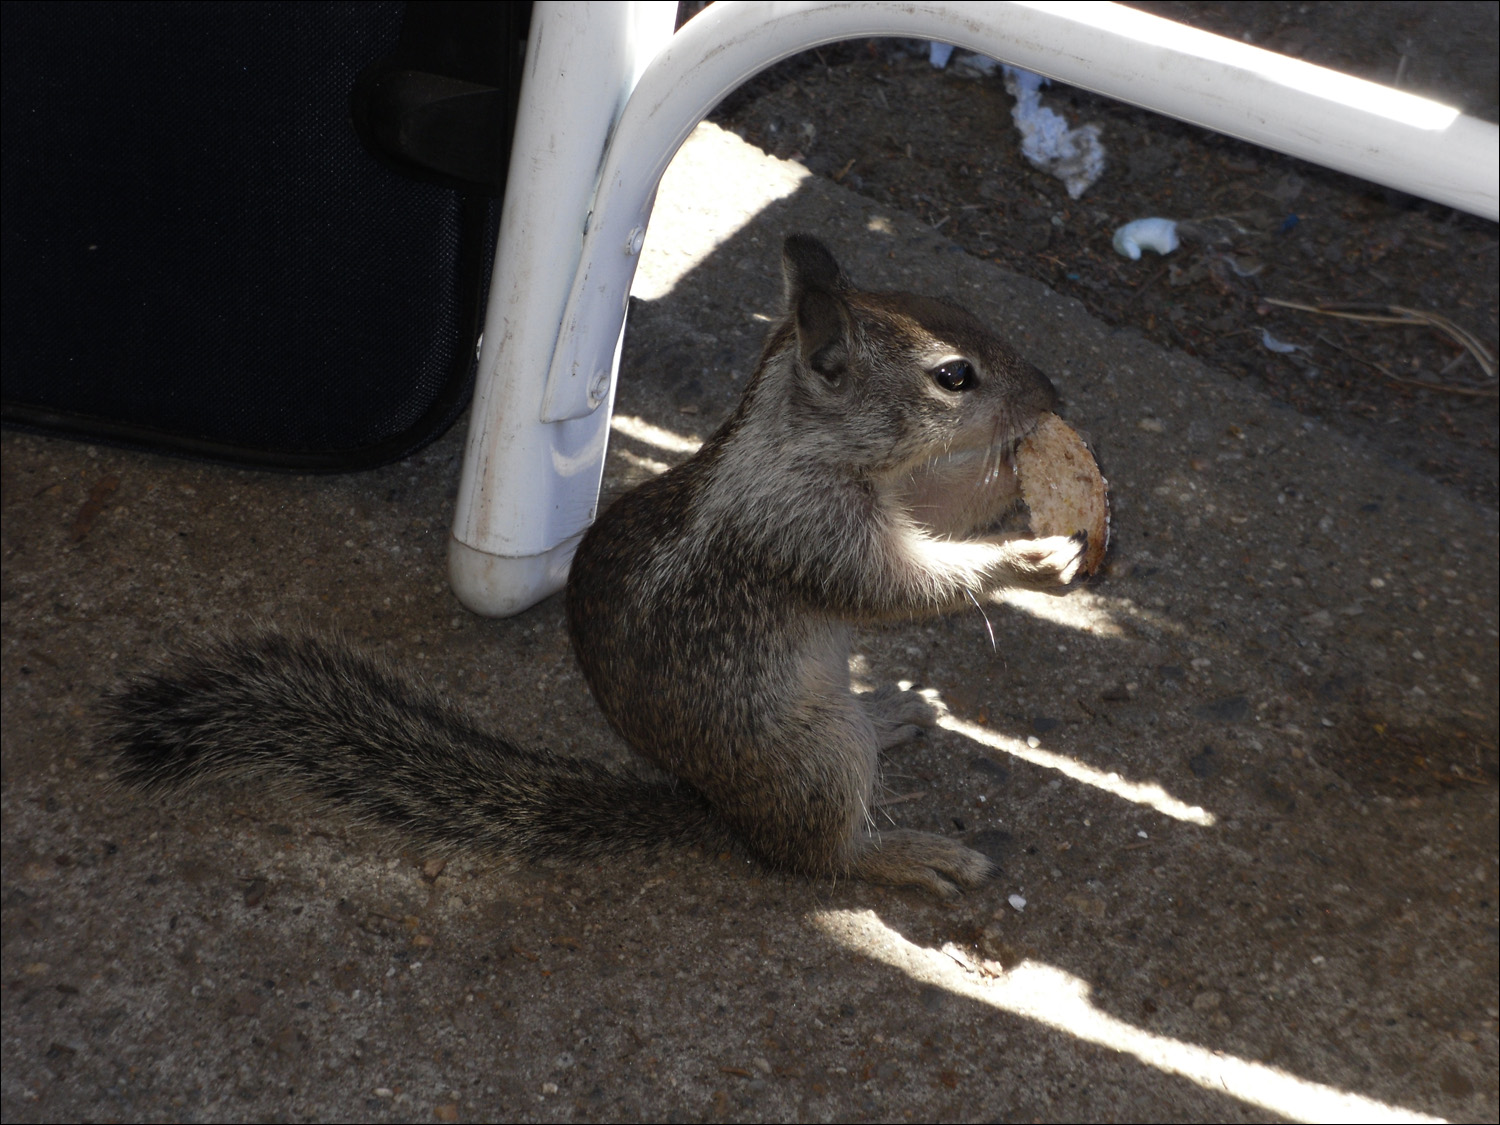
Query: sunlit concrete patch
x: 1141, y: 793
x: 665, y: 440
x: 747, y: 184
x: 1090, y: 612
x: 1038, y: 991
x: 646, y: 464
x: 1080, y: 609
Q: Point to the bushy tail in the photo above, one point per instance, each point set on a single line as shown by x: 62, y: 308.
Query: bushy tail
x: 337, y: 726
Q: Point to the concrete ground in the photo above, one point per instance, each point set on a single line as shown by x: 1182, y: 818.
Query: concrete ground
x: 1242, y: 787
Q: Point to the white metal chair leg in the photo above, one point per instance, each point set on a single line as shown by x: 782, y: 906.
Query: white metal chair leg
x: 529, y: 487
x: 520, y: 513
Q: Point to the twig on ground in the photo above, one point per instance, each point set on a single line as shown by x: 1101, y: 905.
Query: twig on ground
x: 1398, y: 314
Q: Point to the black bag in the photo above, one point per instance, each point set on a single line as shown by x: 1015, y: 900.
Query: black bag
x: 200, y: 256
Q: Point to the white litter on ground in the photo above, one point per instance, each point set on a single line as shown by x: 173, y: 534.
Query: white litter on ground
x: 1157, y: 235
x: 967, y: 62
x: 1278, y: 346
x: 1074, y: 156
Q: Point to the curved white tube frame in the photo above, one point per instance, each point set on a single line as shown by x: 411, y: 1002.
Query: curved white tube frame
x: 585, y: 172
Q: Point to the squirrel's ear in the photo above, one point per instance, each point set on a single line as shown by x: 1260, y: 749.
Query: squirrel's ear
x: 807, y: 264
x: 814, y: 287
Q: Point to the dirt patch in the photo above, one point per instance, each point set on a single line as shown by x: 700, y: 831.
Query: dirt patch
x: 1378, y: 757
x: 1257, y: 228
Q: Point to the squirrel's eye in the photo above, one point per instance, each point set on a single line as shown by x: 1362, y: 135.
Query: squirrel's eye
x: 955, y: 375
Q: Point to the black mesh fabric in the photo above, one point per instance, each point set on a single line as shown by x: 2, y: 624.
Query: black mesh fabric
x: 198, y: 255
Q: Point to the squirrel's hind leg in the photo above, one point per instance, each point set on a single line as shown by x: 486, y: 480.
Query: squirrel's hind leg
x: 901, y: 857
x: 813, y: 813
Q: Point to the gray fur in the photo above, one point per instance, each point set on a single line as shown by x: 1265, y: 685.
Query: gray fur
x: 711, y: 611
x: 308, y: 715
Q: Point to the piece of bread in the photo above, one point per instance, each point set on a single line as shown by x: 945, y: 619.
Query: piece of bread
x: 1060, y: 483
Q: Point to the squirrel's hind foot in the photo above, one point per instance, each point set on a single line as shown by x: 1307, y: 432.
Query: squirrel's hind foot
x: 905, y: 858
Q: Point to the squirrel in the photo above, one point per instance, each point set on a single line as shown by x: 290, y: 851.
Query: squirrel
x: 859, y: 480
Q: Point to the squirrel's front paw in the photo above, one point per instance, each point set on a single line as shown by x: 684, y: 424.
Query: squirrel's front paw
x: 900, y: 712
x: 1047, y: 563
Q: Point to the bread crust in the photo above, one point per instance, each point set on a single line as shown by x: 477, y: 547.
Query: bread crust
x: 1061, y: 484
